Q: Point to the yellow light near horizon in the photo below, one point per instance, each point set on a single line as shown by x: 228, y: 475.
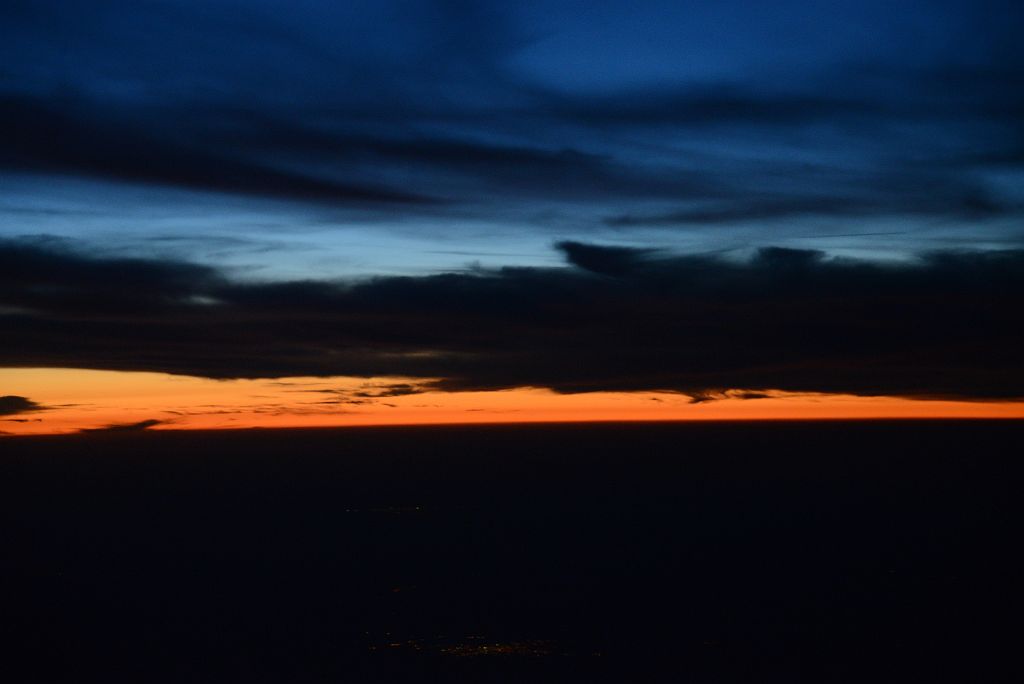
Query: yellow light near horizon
x: 76, y: 399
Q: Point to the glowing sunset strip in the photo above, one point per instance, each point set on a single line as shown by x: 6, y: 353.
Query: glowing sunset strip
x: 87, y: 399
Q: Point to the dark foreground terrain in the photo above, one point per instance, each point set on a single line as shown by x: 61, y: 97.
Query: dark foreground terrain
x: 786, y: 552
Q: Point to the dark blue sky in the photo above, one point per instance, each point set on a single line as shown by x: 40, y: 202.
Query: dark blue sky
x: 338, y: 138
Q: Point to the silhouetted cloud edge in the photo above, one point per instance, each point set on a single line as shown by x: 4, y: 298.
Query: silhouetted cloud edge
x: 946, y: 324
x: 12, y: 405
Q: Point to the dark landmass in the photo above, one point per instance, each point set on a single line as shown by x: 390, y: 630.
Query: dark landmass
x: 716, y: 552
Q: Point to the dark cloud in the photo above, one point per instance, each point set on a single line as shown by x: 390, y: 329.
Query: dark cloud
x: 851, y: 95
x: 716, y: 106
x: 12, y: 404
x: 613, y: 261
x: 400, y: 389
x: 913, y: 194
x: 126, y: 427
x: 141, y: 146
x: 58, y: 279
x: 370, y: 393
x: 341, y: 160
x: 704, y: 397
x: 944, y: 324
x: 263, y: 154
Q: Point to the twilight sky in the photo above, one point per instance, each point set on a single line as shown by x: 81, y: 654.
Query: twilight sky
x: 717, y: 201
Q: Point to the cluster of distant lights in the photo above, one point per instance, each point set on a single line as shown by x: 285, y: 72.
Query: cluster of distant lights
x: 475, y: 646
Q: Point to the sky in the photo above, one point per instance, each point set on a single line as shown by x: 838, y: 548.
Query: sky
x: 446, y: 211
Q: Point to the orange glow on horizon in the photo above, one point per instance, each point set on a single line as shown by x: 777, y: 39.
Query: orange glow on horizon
x: 75, y: 399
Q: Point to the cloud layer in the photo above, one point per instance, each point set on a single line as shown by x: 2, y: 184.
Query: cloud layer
x: 945, y: 324
x: 415, y: 111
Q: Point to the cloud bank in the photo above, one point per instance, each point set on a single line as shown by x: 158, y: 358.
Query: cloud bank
x: 945, y: 324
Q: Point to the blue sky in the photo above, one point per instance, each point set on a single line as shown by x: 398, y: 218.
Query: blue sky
x: 366, y: 138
